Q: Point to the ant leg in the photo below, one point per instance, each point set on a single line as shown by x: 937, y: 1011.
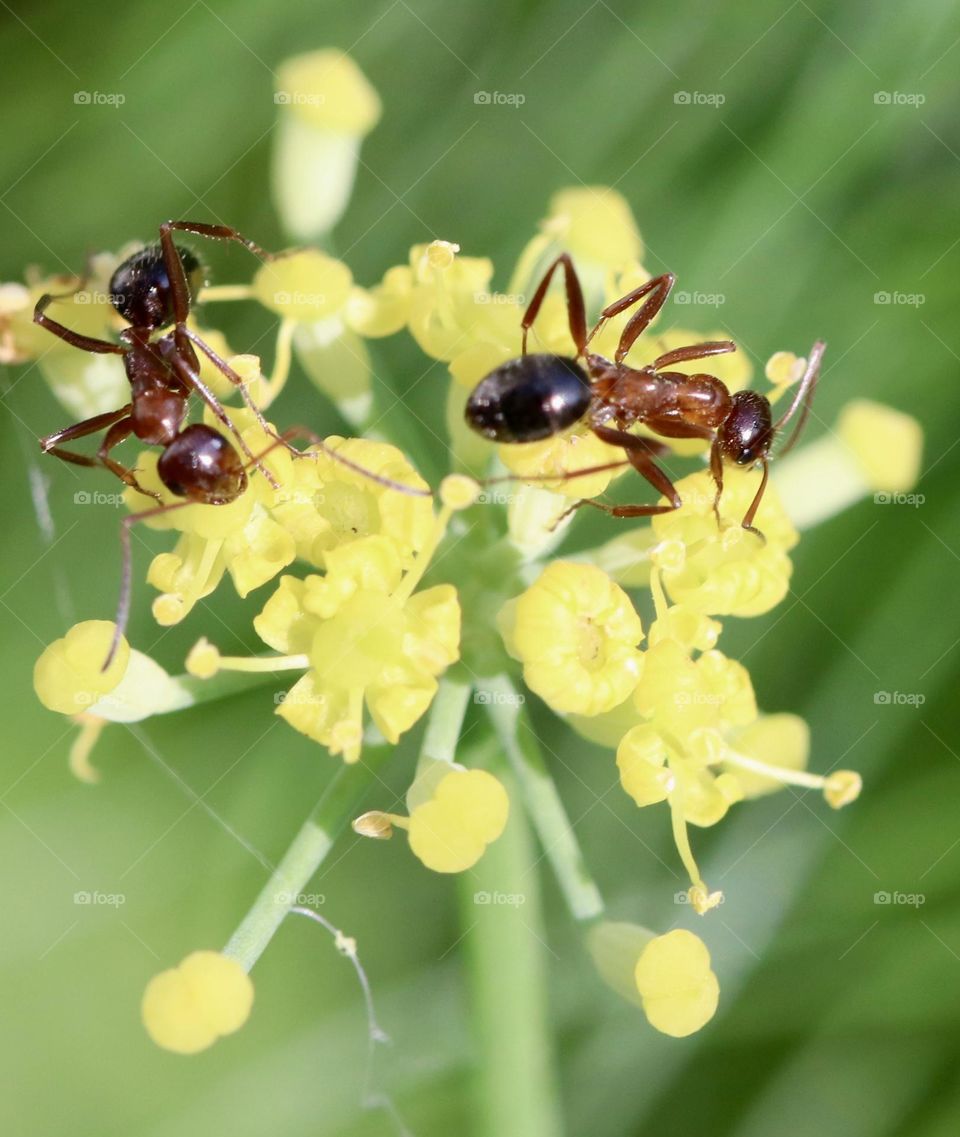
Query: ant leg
x: 716, y: 470
x: 694, y: 351
x: 221, y: 364
x: 576, y: 310
x: 316, y: 440
x: 638, y: 452
x: 75, y: 339
x: 114, y: 436
x: 126, y: 573
x: 191, y: 377
x: 174, y: 266
x: 218, y: 233
x: 660, y: 287
x: 51, y: 442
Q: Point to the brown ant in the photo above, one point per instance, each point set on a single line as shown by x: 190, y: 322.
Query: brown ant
x: 153, y: 290
x: 539, y: 395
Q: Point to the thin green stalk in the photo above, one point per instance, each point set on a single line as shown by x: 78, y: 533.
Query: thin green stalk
x: 506, y: 948
x: 446, y: 718
x: 329, y: 818
x: 304, y: 856
x: 504, y: 705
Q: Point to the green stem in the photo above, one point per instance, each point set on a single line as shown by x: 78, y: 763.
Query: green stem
x: 510, y: 721
x: 446, y: 718
x: 330, y: 816
x: 305, y: 855
x: 506, y: 949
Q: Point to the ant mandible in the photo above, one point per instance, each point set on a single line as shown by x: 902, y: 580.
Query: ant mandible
x: 153, y: 290
x: 539, y: 395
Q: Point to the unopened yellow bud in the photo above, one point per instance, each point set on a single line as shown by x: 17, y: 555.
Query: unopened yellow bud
x: 457, y: 491
x: 203, y: 660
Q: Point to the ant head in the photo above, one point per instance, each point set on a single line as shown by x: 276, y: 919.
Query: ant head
x: 202, y: 466
x: 747, y: 432
x: 140, y: 288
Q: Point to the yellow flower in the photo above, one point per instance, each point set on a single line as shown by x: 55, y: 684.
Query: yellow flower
x: 669, y: 976
x: 347, y: 504
x: 595, y: 225
x: 724, y: 571
x: 576, y: 633
x: 681, y: 694
x: 466, y: 812
x: 363, y: 641
x: 326, y: 108
x: 552, y: 459
x: 68, y: 676
x: 187, y: 1008
x: 678, y: 988
x: 362, y: 635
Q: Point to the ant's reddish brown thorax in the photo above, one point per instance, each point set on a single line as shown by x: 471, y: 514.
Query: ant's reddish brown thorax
x: 637, y: 395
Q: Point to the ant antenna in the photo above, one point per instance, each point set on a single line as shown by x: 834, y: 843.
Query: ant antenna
x: 315, y: 440
x: 803, y: 399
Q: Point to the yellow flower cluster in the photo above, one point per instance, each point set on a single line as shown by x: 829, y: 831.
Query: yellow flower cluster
x: 681, y: 715
x: 360, y: 632
x: 369, y: 641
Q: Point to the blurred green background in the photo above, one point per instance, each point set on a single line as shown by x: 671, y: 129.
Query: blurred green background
x: 799, y: 198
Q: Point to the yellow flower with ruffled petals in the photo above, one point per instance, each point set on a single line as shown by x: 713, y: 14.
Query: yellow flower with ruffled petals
x: 364, y: 643
x: 577, y: 635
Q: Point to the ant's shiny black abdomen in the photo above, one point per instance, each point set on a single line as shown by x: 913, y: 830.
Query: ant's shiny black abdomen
x: 530, y: 398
